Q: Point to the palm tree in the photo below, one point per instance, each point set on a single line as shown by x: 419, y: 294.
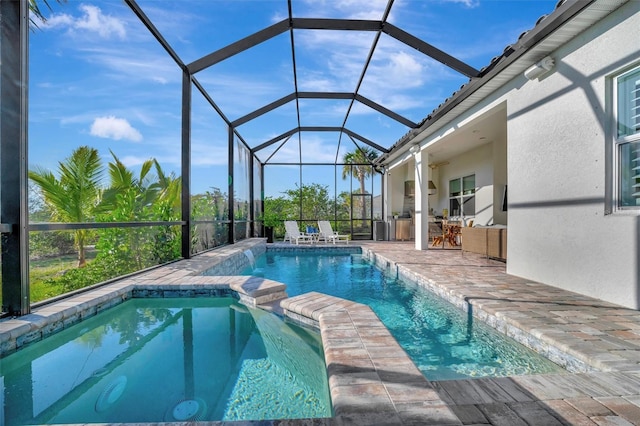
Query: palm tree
x: 129, y: 198
x: 167, y: 207
x: 170, y: 191
x: 358, y: 164
x: 73, y: 196
x: 145, y: 197
x: 34, y: 8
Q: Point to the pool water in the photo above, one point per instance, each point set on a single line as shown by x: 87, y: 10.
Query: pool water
x: 444, y: 342
x: 178, y: 360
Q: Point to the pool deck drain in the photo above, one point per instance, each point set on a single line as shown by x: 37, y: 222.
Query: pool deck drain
x: 372, y: 380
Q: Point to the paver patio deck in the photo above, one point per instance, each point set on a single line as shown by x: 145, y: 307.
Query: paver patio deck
x: 373, y: 382
x: 600, y: 335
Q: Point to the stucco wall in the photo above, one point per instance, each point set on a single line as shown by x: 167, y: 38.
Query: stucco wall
x: 500, y: 216
x: 478, y: 161
x: 557, y: 135
x: 396, y: 186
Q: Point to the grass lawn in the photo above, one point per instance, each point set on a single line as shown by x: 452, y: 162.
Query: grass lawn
x: 40, y: 270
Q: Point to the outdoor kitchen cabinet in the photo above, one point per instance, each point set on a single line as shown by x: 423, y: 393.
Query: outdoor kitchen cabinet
x: 403, y: 229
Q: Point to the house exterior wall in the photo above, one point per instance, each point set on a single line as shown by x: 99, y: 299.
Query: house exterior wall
x: 555, y: 162
x: 499, y: 178
x: 478, y: 161
x: 557, y: 131
x: 397, y: 177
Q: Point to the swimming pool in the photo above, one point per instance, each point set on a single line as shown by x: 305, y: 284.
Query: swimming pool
x: 173, y: 359
x: 444, y: 342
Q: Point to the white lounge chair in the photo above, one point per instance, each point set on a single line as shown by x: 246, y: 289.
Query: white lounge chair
x: 328, y: 235
x: 294, y: 234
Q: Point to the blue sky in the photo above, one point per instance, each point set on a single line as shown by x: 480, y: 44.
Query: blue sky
x: 98, y: 78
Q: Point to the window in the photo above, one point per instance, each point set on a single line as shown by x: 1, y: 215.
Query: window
x: 627, y: 89
x: 462, y: 200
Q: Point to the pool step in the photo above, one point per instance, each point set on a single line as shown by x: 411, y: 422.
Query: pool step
x: 371, y: 378
x: 308, y: 307
x: 254, y: 291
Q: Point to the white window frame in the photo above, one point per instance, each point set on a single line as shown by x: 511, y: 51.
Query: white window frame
x: 462, y: 197
x: 620, y: 142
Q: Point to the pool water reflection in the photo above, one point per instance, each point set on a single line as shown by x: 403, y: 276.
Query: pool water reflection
x: 443, y: 341
x: 179, y: 359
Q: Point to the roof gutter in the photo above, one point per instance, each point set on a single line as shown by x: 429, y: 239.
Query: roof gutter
x: 564, y: 12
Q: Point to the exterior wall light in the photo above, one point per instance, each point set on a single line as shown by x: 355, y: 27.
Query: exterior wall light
x: 539, y: 68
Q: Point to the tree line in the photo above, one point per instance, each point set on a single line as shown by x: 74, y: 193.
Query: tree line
x: 77, y: 193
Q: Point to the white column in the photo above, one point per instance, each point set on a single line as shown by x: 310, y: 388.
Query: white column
x: 421, y: 200
x: 386, y: 207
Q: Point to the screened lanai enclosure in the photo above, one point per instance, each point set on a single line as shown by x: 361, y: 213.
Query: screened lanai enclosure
x: 137, y: 133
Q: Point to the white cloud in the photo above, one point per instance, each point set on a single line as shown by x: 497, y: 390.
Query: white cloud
x: 315, y: 148
x: 161, y: 80
x: 240, y: 93
x: 404, y: 68
x: 131, y: 160
x: 395, y: 78
x: 331, y: 60
x: 92, y: 20
x: 319, y: 149
x: 203, y: 154
x: 467, y: 3
x: 134, y: 64
x: 60, y: 20
x: 277, y: 17
x: 348, y: 9
x: 114, y: 128
x: 316, y: 81
x: 362, y: 9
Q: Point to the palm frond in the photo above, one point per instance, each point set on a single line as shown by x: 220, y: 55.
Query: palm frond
x: 120, y: 176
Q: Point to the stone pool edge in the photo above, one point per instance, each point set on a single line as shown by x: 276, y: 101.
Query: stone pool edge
x: 371, y: 379
x: 367, y: 381
x: 542, y: 343
x: 178, y: 279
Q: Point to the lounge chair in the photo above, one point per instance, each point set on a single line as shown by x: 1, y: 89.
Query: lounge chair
x: 328, y: 235
x: 294, y: 234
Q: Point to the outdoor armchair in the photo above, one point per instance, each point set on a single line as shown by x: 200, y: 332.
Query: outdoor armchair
x: 294, y: 234
x: 328, y: 235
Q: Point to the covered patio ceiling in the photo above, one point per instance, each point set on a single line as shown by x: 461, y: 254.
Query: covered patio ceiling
x: 327, y: 84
